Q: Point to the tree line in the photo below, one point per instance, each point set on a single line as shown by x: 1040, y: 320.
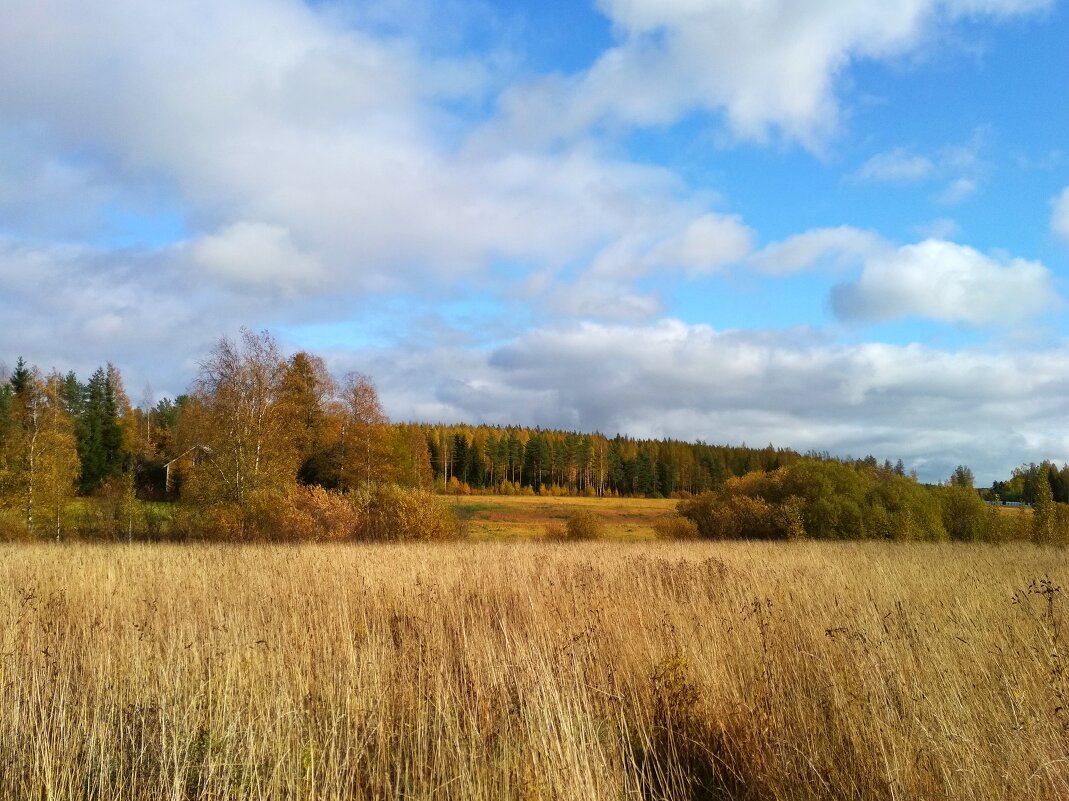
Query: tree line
x: 1023, y: 485
x: 516, y: 459
x: 269, y: 445
x: 259, y: 430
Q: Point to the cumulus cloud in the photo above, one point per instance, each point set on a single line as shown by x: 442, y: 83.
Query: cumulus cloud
x: 256, y: 255
x: 833, y: 248
x: 1059, y: 221
x: 945, y: 281
x: 273, y: 114
x: 767, y: 67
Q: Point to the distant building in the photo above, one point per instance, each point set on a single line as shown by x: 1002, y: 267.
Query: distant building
x: 184, y: 462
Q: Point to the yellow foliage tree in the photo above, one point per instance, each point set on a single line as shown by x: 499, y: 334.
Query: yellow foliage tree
x: 40, y: 456
x: 240, y: 427
x: 365, y: 436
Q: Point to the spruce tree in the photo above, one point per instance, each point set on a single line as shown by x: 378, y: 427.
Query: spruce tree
x: 99, y: 435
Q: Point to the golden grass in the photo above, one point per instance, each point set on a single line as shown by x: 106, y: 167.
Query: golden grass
x: 533, y: 670
x: 525, y: 516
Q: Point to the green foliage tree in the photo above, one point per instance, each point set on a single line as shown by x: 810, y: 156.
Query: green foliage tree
x: 99, y: 434
x: 818, y: 499
x: 965, y: 516
x: 1044, y: 514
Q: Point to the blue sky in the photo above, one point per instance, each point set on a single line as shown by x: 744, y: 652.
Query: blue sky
x: 833, y: 225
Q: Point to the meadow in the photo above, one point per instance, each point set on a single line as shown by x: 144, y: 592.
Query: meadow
x: 502, y: 517
x: 534, y: 670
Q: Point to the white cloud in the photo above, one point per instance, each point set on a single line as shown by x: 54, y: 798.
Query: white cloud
x: 960, y: 166
x: 271, y: 113
x: 958, y: 190
x: 603, y: 300
x: 705, y: 245
x: 257, y: 255
x: 768, y: 67
x: 895, y: 166
x: 74, y: 307
x: 948, y: 282
x: 836, y: 248
x: 695, y: 247
x: 1059, y: 221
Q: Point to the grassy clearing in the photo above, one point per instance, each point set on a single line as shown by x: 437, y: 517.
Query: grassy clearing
x: 489, y: 517
x: 534, y: 670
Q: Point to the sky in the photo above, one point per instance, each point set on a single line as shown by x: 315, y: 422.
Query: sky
x: 835, y: 225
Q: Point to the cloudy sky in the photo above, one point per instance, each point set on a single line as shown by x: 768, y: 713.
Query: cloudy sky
x: 831, y: 225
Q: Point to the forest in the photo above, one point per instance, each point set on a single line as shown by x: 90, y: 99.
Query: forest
x: 266, y: 445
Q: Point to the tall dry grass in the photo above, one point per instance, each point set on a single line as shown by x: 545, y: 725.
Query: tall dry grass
x: 555, y: 671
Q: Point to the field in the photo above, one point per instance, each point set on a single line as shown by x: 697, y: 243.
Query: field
x: 533, y: 670
x: 525, y: 516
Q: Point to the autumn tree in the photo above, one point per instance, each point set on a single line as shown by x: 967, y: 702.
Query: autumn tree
x: 309, y: 395
x: 38, y: 456
x: 240, y: 424
x: 365, y: 438
x: 410, y: 458
x: 55, y: 474
x: 7, y: 436
x: 962, y: 477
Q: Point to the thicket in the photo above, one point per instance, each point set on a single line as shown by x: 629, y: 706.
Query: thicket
x: 832, y: 500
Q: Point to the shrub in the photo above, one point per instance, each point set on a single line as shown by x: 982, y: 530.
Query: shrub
x: 676, y: 527
x: 389, y: 513
x: 555, y: 531
x: 313, y: 513
x: 583, y: 526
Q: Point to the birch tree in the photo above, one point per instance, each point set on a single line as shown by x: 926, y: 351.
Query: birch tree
x: 239, y: 424
x: 365, y: 442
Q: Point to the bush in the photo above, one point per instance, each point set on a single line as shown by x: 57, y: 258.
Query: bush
x: 676, y: 527
x: 555, y: 531
x: 391, y: 513
x: 583, y: 526
x: 314, y: 513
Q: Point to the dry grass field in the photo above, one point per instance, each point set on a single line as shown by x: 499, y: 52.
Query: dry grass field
x: 525, y: 516
x: 532, y: 670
